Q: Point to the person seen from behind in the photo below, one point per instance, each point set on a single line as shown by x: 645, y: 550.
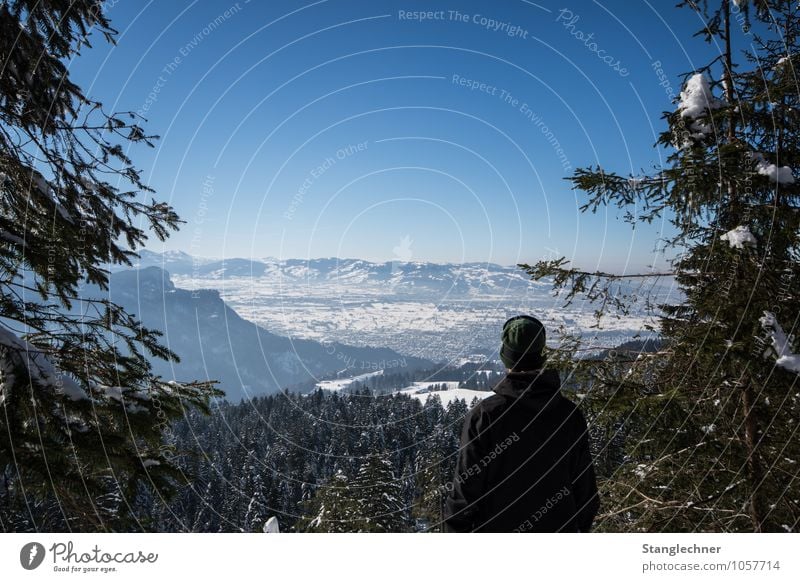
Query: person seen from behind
x: 524, y: 463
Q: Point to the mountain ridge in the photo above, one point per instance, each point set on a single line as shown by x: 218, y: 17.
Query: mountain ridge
x: 395, y: 277
x: 214, y: 342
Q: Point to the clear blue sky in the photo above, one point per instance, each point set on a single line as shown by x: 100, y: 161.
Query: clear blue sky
x: 261, y: 107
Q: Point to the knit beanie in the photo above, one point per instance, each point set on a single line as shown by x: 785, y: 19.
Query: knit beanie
x: 523, y: 342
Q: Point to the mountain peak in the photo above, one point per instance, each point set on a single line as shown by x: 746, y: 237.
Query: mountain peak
x: 149, y: 279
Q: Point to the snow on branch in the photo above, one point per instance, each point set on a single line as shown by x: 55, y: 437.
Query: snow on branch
x: 780, y: 343
x: 739, y: 237
x: 45, y: 189
x: 40, y: 370
x: 696, y: 100
x: 779, y: 175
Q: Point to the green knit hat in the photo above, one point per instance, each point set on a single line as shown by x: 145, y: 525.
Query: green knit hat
x: 523, y: 342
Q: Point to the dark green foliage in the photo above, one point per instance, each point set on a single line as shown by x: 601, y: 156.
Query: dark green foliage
x: 319, y: 463
x: 370, y: 502
x: 334, y: 509
x: 83, y: 418
x: 709, y: 421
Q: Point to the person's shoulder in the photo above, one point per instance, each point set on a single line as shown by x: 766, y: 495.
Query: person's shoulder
x: 484, y: 414
x: 571, y: 410
x: 490, y: 404
x: 489, y: 407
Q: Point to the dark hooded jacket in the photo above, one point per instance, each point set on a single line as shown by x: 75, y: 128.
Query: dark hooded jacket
x: 524, y: 463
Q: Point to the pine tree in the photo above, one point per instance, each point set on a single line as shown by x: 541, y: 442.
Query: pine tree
x: 435, y: 466
x: 257, y: 511
x: 710, y: 419
x: 83, y: 416
x: 378, y: 494
x: 372, y: 501
x: 332, y: 510
x: 430, y: 490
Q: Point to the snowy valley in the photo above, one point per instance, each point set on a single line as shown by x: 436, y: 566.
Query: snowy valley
x: 439, y: 312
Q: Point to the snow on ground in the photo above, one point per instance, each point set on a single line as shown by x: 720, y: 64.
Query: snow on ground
x: 441, y: 331
x: 471, y: 359
x: 422, y: 391
x: 419, y: 390
x: 342, y: 383
x: 441, y: 327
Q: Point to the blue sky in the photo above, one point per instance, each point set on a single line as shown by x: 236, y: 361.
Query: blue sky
x: 359, y: 129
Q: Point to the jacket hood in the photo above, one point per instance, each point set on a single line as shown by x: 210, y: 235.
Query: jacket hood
x: 535, y: 389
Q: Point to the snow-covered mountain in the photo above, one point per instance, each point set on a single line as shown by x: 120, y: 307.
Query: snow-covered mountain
x: 172, y: 261
x: 405, y: 278
x: 440, y: 312
x: 215, y: 343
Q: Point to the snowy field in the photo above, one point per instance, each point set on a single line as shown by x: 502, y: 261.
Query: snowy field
x: 438, y: 312
x: 341, y: 383
x: 422, y: 391
x: 419, y: 390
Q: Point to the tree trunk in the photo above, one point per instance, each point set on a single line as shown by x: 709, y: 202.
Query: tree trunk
x: 755, y: 473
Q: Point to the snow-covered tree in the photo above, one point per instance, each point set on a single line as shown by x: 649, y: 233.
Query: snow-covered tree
x: 332, y: 510
x: 82, y: 415
x: 378, y: 494
x: 371, y: 501
x: 257, y: 513
x: 431, y: 485
x: 710, y: 419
